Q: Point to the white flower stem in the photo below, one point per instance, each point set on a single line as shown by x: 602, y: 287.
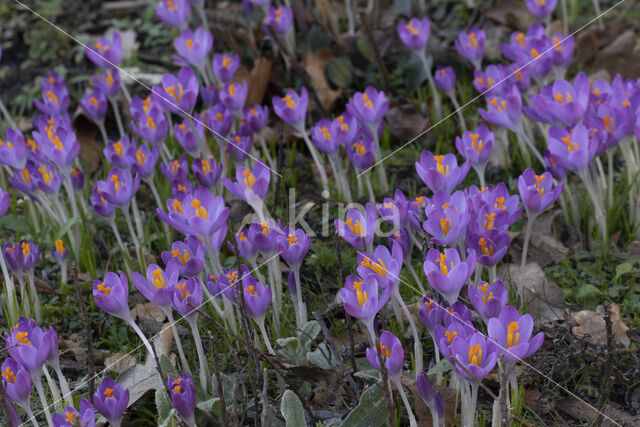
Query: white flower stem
x: 456, y: 105
x: 436, y: 351
x: 103, y: 132
x: 64, y: 385
x: 317, y: 160
x: 144, y: 339
x: 30, y: 415
x: 302, y: 308
x: 417, y: 345
x: 35, y: 299
x: 37, y: 382
x: 137, y: 218
x: 437, y: 104
x: 367, y: 180
x: 230, y: 314
x: 176, y: 337
x: 204, y: 370
x: 415, y: 276
x: 407, y: 405
x: 57, y: 400
x: 265, y: 150
x: 23, y: 296
x: 116, y: 113
x: 263, y: 331
x: 132, y: 232
x: 382, y: 172
x: 531, y: 217
x: 10, y: 293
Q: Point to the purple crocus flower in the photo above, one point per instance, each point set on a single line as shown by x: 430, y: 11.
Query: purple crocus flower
x: 256, y: 116
x: 257, y: 297
x: 251, y: 185
x: 100, y: 204
x: 156, y: 287
x: 490, y: 247
x: 471, y: 46
x: 199, y: 213
x: 488, y: 300
x: 30, y: 254
x: 187, y: 297
x: 292, y: 108
x: 369, y: 106
x: 239, y: 147
x: 562, y: 53
x: 445, y: 336
x: 573, y: 149
x: 561, y: 102
x: 475, y: 356
x: 541, y: 8
x: 112, y: 295
x: 280, y: 19
x: 395, y: 211
x: 173, y: 12
x: 30, y: 346
x: 183, y: 396
x: 362, y: 150
x: 392, y: 354
x: 512, y: 333
x: 447, y: 220
x: 177, y: 169
x: 21, y: 180
x: 504, y: 111
x: 108, y: 82
x: 188, y: 256
x: 60, y: 253
x: 111, y: 400
x: 14, y: 257
x: 194, y: 47
x: 47, y: 179
x: 476, y: 146
x: 537, y: 191
x: 16, y: 382
x: 382, y: 263
x: 293, y: 245
x: 430, y: 313
x: 492, y: 81
x: 225, y: 66
x: 441, y: 173
x: 324, y: 135
x: 460, y: 313
x: 263, y: 235
x: 186, y: 137
x: 178, y: 94
x: 119, y: 187
x: 446, y: 273
x: 246, y: 248
x: 209, y: 94
x: 415, y: 33
x: 105, y: 53
x: 557, y: 171
x: 206, y: 171
x: 362, y: 298
x: 115, y: 152
x: 55, y: 98
x: 71, y: 417
x: 498, y: 198
x: 77, y: 179
x: 445, y: 79
x: 150, y: 124
x: 58, y: 144
x: 219, y: 119
x: 13, y: 150
x: 357, y: 227
x: 519, y: 76
x: 143, y: 159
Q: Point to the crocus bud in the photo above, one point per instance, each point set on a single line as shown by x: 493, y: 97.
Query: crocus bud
x: 105, y: 53
x: 5, y: 201
x: 194, y: 47
x: 16, y: 382
x: 392, y: 354
x: 225, y: 66
x: 111, y: 400
x: 445, y: 79
x: 292, y: 108
x: 537, y: 191
x: 173, y: 12
x: 183, y: 396
x: 112, y: 294
x: 415, y: 33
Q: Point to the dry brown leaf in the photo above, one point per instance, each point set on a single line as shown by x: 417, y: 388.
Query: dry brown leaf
x: 315, y: 63
x: 148, y: 310
x: 592, y: 323
x: 87, y: 134
x: 622, y: 56
x: 119, y: 362
x: 328, y: 17
x: 257, y: 79
x: 139, y: 379
x: 545, y: 299
x: 405, y: 122
x: 423, y: 414
x: 633, y: 248
x: 79, y: 353
x: 510, y: 13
